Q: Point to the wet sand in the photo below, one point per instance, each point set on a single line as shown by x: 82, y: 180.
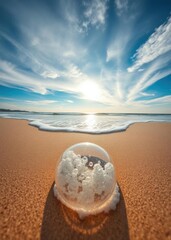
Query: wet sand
x: 28, y: 209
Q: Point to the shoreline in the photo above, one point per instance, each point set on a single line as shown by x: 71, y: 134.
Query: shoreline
x: 87, y: 132
x: 141, y: 157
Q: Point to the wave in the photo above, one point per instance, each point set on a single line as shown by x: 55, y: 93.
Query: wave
x: 85, y: 123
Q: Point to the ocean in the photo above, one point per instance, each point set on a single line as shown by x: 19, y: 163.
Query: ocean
x: 84, y: 123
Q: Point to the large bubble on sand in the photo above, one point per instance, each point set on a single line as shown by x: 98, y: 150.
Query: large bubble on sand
x: 85, y: 180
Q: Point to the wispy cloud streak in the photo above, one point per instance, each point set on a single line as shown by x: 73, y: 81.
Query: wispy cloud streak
x: 95, y: 13
x: 60, y: 47
x: 157, y: 71
x: 158, y: 44
x: 122, y: 6
x: 159, y: 101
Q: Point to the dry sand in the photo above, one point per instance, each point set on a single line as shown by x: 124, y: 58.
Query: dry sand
x: 28, y: 209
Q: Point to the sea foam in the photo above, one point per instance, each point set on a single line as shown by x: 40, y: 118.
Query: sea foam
x: 85, y: 123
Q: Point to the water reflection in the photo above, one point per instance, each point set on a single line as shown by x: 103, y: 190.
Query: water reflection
x: 90, y: 121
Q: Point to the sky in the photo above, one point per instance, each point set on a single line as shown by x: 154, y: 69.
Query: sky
x: 85, y: 56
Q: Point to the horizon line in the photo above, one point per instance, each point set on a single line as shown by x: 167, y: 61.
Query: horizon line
x: 82, y: 113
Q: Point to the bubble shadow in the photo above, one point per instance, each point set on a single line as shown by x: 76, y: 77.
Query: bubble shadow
x: 60, y: 222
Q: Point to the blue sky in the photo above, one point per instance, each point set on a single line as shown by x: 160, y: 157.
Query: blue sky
x: 88, y: 56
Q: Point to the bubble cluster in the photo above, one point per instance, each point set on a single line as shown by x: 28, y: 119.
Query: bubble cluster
x: 85, y: 179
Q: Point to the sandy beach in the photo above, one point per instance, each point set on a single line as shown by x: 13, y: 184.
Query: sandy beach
x: 28, y: 209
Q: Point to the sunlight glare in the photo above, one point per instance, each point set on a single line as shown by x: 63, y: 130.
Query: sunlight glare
x: 90, y: 90
x: 90, y: 121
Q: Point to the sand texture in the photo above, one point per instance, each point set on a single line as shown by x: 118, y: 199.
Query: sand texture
x: 28, y: 209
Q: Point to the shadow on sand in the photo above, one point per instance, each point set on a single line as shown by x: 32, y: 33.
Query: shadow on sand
x: 60, y: 222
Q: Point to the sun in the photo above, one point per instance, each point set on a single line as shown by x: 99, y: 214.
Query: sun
x: 90, y: 90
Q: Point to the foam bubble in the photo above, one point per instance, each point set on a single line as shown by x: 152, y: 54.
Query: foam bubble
x: 86, y: 183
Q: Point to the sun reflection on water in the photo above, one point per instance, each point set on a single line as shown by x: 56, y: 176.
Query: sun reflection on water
x: 90, y: 121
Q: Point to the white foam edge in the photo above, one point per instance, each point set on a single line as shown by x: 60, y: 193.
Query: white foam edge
x: 110, y: 203
x: 46, y: 126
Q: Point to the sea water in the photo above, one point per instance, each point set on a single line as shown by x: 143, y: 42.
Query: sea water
x: 85, y: 123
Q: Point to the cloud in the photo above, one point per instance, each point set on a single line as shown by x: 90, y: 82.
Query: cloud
x: 159, y: 101
x: 10, y: 76
x: 13, y: 103
x: 8, y: 99
x: 140, y: 69
x: 46, y: 40
x: 69, y: 101
x: 158, y: 44
x: 58, y: 48
x: 47, y: 74
x: 34, y: 102
x: 95, y: 13
x: 164, y: 99
x: 41, y: 102
x: 157, y: 71
x: 74, y: 72
x: 114, y: 51
x: 121, y: 6
x: 118, y: 46
x: 156, y: 77
x: 144, y: 94
x: 46, y: 50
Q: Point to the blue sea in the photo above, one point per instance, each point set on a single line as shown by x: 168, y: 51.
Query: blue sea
x: 85, y: 123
